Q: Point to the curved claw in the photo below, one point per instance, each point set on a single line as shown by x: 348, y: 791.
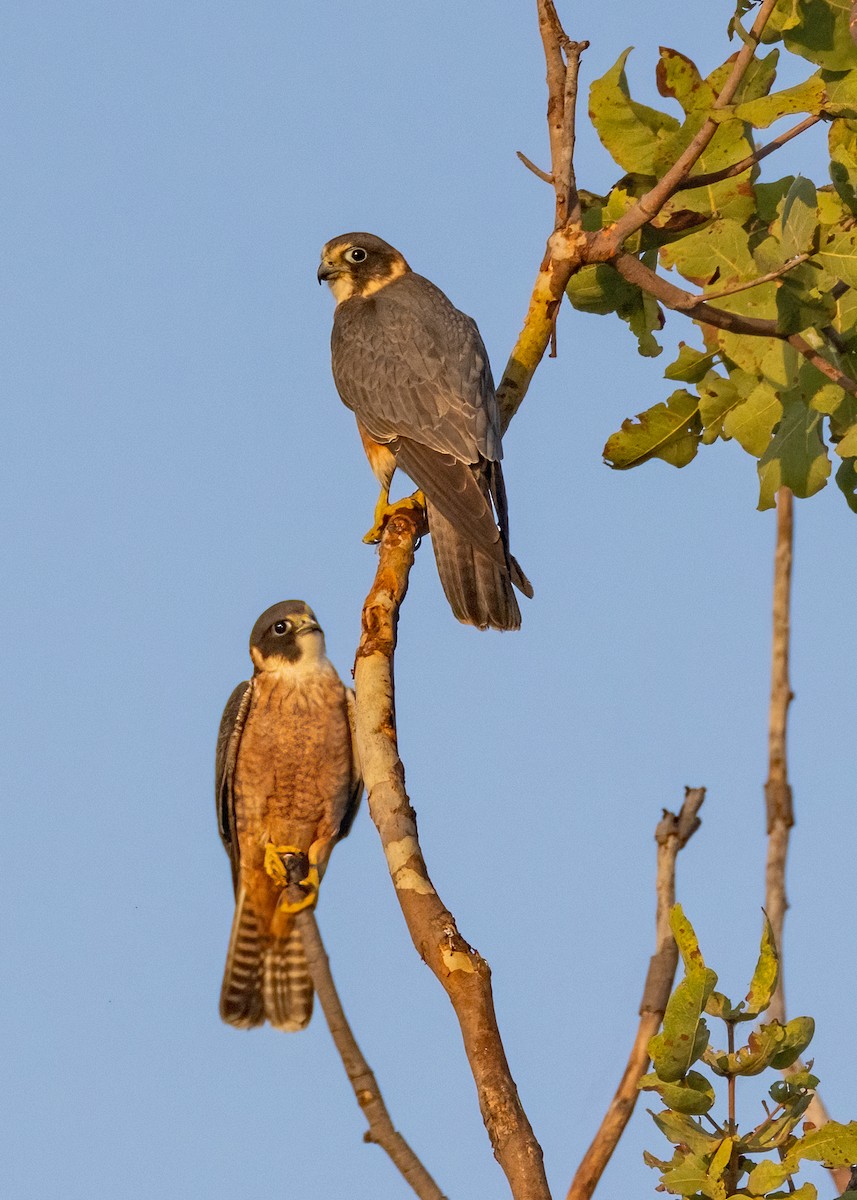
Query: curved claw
x: 383, y: 512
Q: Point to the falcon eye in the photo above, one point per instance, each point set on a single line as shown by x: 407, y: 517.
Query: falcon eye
x: 281, y: 627
x: 356, y: 254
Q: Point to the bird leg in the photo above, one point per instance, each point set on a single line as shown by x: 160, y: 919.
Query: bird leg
x: 289, y: 865
x: 384, y: 510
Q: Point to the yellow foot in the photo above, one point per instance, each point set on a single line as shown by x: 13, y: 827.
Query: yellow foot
x: 383, y: 512
x: 275, y: 861
x: 310, y: 886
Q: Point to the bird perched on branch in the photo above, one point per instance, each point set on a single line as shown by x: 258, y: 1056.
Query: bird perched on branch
x: 287, y: 789
x: 415, y: 372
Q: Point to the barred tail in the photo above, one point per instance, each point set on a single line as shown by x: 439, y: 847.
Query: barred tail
x: 265, y: 978
x: 241, y: 993
x: 286, y: 984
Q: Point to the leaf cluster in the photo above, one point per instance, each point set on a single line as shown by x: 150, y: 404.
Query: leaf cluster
x: 717, y: 1160
x: 724, y: 235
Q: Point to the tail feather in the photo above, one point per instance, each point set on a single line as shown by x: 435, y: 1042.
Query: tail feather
x: 266, y: 978
x: 241, y: 995
x: 478, y: 588
x: 286, y: 984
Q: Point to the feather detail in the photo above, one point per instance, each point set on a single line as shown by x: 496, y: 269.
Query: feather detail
x: 286, y: 984
x: 478, y: 588
x: 241, y: 993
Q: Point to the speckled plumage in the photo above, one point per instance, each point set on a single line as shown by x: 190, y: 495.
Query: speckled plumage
x: 415, y: 372
x: 287, y: 775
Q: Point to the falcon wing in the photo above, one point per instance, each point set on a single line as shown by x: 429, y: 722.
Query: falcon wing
x: 228, y: 738
x: 356, y: 793
x: 410, y: 365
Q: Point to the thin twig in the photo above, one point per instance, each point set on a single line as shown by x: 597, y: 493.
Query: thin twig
x: 649, y: 205
x: 531, y: 166
x: 822, y: 364
x: 694, y: 306
x: 381, y: 1130
x: 778, y: 793
x: 751, y: 283
x: 696, y: 181
x: 671, y: 835
x: 463, y: 973
x: 697, y: 308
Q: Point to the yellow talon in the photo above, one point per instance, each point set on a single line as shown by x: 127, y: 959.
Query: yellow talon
x: 308, y: 901
x: 274, y: 864
x: 384, y: 510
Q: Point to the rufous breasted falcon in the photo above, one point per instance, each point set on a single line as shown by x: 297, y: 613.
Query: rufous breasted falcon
x: 415, y: 373
x: 287, y: 789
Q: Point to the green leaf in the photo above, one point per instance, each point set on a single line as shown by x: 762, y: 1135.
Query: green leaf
x: 817, y: 30
x: 833, y: 1145
x: 684, y: 1036
x: 717, y: 397
x: 683, y: 1130
x: 800, y: 218
x: 766, y: 1176
x: 796, y: 457
x: 806, y: 97
x: 842, y: 141
x: 771, y: 1135
x: 601, y: 289
x: 840, y: 92
x: 839, y: 255
x: 691, y: 1178
x: 690, y: 366
x: 719, y: 252
x: 693, y: 1094
x: 765, y: 976
x: 796, y: 1084
x: 798, y: 1033
x: 629, y: 131
x: 846, y: 480
x: 669, y: 431
x: 752, y: 422
x: 846, y: 447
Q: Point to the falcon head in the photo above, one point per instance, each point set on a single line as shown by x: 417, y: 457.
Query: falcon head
x: 286, y: 634
x: 358, y: 264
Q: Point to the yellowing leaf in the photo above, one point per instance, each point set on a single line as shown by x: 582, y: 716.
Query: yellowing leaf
x: 669, y: 431
x: 631, y: 132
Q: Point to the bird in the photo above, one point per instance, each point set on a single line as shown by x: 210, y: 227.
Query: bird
x: 415, y: 373
x: 288, y: 786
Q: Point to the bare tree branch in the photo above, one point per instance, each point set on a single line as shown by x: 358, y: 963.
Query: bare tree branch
x: 697, y: 308
x: 696, y: 181
x: 531, y: 166
x: 751, y: 283
x: 649, y: 205
x: 778, y: 792
x: 671, y: 835
x: 565, y: 181
x: 822, y: 364
x: 694, y: 306
x: 464, y: 974
x: 381, y: 1130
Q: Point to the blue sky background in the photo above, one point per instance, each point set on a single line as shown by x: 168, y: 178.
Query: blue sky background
x: 177, y: 459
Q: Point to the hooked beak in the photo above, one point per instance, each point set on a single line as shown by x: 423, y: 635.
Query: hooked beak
x: 326, y: 271
x: 307, y: 625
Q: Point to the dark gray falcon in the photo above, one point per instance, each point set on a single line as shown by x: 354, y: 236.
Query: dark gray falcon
x: 287, y: 787
x: 415, y: 373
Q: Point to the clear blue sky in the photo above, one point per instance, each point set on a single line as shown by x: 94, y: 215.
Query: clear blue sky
x: 177, y: 459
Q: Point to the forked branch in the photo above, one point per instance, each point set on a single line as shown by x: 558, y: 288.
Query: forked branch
x: 464, y: 974
x: 671, y: 835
